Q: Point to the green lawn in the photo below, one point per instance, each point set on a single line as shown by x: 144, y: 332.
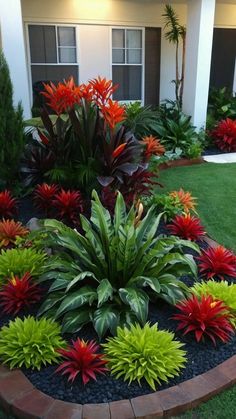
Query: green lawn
x: 215, y: 187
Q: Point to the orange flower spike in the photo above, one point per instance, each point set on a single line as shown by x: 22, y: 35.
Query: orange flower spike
x: 118, y: 150
x: 153, y: 146
x: 10, y: 230
x: 113, y: 113
x: 186, y: 199
x: 63, y: 96
x: 102, y: 89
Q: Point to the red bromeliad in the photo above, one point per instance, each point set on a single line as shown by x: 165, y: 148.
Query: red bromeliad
x: 19, y: 293
x: 82, y: 358
x: 8, y: 205
x: 113, y: 113
x: 218, y: 262
x: 187, y: 227
x: 225, y: 135
x: 152, y: 147
x: 68, y: 205
x: 44, y: 195
x: 10, y: 230
x: 204, y: 317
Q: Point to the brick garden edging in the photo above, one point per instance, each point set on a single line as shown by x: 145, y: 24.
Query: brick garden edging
x: 181, y: 162
x: 19, y: 397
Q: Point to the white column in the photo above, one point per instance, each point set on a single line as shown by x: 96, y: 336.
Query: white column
x: 200, y: 23
x: 12, y: 40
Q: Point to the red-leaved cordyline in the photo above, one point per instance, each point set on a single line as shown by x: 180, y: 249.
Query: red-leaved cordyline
x: 44, y: 195
x: 68, y: 204
x: 187, y: 227
x: 152, y: 147
x: 186, y: 199
x: 113, y: 113
x: 225, y: 135
x: 204, y: 317
x: 82, y: 358
x: 218, y: 262
x: 10, y: 230
x: 8, y: 205
x: 19, y: 293
x: 118, y: 150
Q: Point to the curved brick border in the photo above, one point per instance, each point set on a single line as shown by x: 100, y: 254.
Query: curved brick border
x: 20, y: 398
x: 181, y: 162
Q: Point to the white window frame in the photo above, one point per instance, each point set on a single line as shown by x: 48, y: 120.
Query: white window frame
x: 56, y: 25
x: 142, y: 29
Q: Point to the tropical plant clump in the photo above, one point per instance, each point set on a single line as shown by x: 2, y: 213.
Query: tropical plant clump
x: 8, y: 205
x: 10, y: 231
x: 187, y: 227
x: 144, y: 353
x: 16, y: 262
x: 19, y: 293
x: 222, y: 291
x: 186, y: 199
x: 30, y: 342
x: 221, y: 105
x: 82, y: 358
x: 106, y: 274
x: 205, y: 317
x: 217, y: 262
x: 224, y: 135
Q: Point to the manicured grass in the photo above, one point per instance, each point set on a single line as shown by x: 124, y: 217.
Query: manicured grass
x: 220, y: 407
x: 215, y: 187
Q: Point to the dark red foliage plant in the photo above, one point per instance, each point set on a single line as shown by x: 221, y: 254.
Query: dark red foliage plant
x: 68, y: 205
x: 218, y: 262
x: 224, y: 135
x: 204, y: 317
x: 44, y: 195
x: 8, y: 205
x: 187, y: 227
x: 19, y: 293
x: 82, y: 358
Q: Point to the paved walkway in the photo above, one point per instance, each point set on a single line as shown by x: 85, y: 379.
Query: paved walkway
x: 221, y: 158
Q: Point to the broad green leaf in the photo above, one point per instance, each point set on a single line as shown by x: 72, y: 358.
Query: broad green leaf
x: 79, y: 278
x: 85, y: 295
x: 50, y: 302
x: 106, y: 318
x: 104, y: 291
x: 119, y: 213
x: 146, y: 281
x: 74, y: 320
x: 137, y: 300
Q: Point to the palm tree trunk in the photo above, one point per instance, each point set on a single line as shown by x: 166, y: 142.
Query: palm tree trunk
x: 182, y: 72
x: 177, y: 72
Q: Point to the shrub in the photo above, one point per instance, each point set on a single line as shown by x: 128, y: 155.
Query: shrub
x: 82, y: 358
x: 141, y: 120
x: 187, y: 227
x: 10, y: 230
x: 108, y: 271
x: 204, y: 317
x: 19, y: 293
x: 225, y: 135
x: 8, y: 205
x: 44, y: 195
x: 218, y: 262
x: 144, y: 353
x: 222, y: 291
x: 19, y: 261
x: 221, y: 105
x: 30, y: 342
x: 68, y: 205
x: 11, y: 130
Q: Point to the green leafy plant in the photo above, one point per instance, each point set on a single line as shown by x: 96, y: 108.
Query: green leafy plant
x: 12, y: 137
x: 30, y: 342
x: 144, y: 353
x: 221, y: 105
x: 107, y: 274
x: 169, y: 205
x: 16, y: 262
x: 222, y: 291
x: 141, y: 120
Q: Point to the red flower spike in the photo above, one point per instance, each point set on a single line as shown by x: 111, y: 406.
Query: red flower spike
x: 113, y: 113
x: 225, y: 135
x: 10, y: 230
x: 217, y: 262
x: 118, y: 150
x: 68, y: 205
x: 152, y: 147
x: 8, y: 205
x: 102, y: 90
x: 204, y: 317
x: 44, y: 195
x: 63, y: 97
x: 81, y: 358
x: 187, y: 227
x: 19, y: 293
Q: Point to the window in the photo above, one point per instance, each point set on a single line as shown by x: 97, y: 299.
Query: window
x: 127, y: 63
x: 53, y: 54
